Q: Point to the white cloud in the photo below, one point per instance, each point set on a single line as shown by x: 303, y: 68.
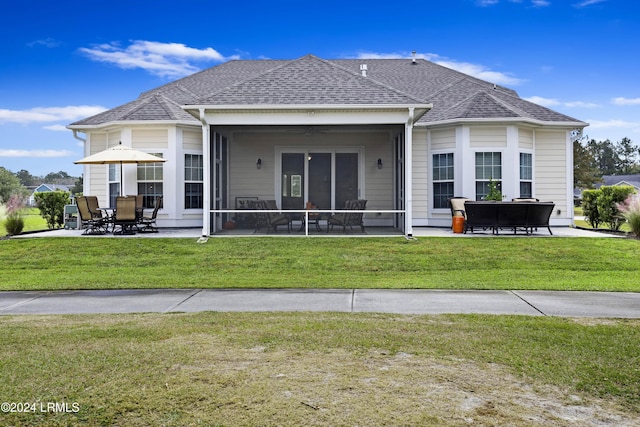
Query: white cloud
x: 588, y: 3
x: 580, y: 104
x: 49, y: 114
x: 36, y: 153
x: 626, y: 101
x: 545, y: 102
x: 56, y: 128
x: 170, y: 60
x: 552, y: 102
x: 475, y: 70
x: 535, y: 3
x: 614, y: 124
x: 48, y: 42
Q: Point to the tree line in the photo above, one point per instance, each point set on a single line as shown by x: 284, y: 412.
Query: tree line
x: 592, y: 159
x: 18, y: 183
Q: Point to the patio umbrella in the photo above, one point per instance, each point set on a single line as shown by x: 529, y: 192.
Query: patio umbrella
x: 120, y: 154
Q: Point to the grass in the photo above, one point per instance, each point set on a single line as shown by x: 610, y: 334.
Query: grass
x: 476, y: 263
x: 320, y: 369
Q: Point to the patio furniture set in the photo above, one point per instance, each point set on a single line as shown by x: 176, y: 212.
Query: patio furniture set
x: 517, y: 215
x: 350, y: 216
x: 127, y: 217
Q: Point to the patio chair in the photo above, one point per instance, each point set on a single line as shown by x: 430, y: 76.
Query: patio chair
x: 91, y: 224
x: 348, y: 219
x: 125, y: 216
x: 147, y: 224
x: 269, y: 219
x: 94, y: 207
x: 139, y: 205
x: 456, y: 204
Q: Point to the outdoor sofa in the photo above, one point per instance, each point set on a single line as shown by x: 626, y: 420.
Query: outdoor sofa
x: 495, y: 216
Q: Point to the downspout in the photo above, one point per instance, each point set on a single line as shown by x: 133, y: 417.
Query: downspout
x: 84, y: 150
x: 206, y: 176
x: 408, y: 174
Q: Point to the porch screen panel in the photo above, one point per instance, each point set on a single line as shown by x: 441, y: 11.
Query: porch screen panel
x: 346, y: 178
x: 320, y: 179
x: 292, y: 181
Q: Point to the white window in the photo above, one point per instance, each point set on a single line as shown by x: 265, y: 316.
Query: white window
x: 150, y: 177
x: 114, y: 184
x: 526, y: 175
x: 488, y: 167
x: 193, y: 173
x: 443, y: 180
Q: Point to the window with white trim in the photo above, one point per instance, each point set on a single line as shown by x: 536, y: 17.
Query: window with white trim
x: 114, y: 183
x: 488, y: 167
x: 193, y: 178
x: 443, y: 180
x: 526, y: 175
x: 150, y: 176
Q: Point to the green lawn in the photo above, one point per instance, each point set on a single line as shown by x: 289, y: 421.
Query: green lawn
x: 319, y: 369
x: 476, y: 263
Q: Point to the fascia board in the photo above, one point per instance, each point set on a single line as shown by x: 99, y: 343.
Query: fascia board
x: 504, y: 120
x: 134, y: 123
x: 316, y: 107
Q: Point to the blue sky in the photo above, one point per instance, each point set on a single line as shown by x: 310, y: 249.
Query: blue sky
x: 63, y: 61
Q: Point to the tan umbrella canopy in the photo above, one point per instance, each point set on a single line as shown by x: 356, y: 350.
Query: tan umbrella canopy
x: 120, y: 154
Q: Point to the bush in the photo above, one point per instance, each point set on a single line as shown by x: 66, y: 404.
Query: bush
x: 630, y: 209
x: 14, y: 224
x: 590, y: 207
x: 51, y: 205
x: 610, y: 198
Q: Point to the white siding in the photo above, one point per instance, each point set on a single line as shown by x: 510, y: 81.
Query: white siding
x: 551, y: 168
x: 443, y: 139
x: 488, y: 136
x: 97, y: 174
x: 113, y: 139
x: 421, y: 166
x: 525, y: 138
x: 149, y: 139
x: 192, y: 140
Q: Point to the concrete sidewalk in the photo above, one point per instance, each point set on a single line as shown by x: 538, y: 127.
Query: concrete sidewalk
x: 532, y: 303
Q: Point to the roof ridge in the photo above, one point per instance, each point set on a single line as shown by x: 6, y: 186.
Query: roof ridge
x: 508, y: 106
x: 398, y: 91
x: 368, y: 80
x: 238, y: 83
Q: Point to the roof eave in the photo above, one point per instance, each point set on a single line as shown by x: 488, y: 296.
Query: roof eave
x: 132, y: 122
x: 535, y: 122
x: 263, y: 107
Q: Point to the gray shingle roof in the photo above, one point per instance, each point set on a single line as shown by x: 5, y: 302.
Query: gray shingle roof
x: 309, y: 81
x: 314, y: 81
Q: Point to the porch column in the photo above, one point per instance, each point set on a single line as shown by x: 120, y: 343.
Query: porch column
x: 408, y: 175
x: 206, y: 175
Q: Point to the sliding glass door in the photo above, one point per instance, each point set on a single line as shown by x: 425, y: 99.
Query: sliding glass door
x: 326, y: 179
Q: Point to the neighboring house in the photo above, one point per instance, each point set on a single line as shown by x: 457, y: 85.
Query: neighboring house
x: 404, y: 134
x: 44, y: 188
x: 632, y: 180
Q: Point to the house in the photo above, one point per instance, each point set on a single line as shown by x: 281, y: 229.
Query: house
x: 44, y: 188
x: 626, y: 180
x: 405, y: 134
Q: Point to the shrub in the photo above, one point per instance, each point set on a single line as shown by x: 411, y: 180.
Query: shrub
x: 494, y: 192
x: 608, y: 202
x: 14, y: 224
x: 51, y: 205
x: 590, y: 207
x: 630, y: 209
